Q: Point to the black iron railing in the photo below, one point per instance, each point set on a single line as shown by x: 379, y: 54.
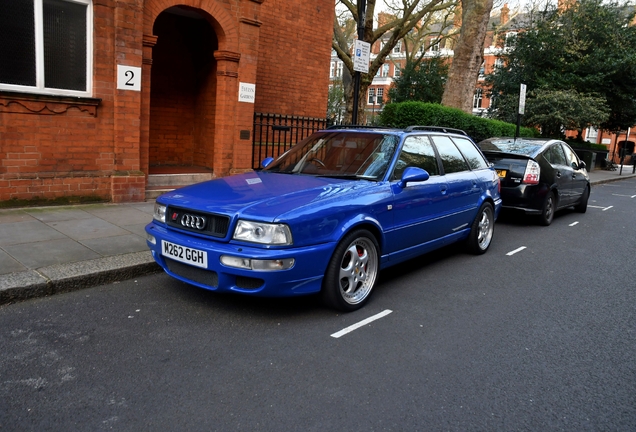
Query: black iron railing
x: 274, y: 134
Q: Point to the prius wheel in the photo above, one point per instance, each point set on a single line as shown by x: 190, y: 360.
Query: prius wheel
x: 352, y: 272
x: 581, y: 207
x: 549, y: 207
x: 482, y: 230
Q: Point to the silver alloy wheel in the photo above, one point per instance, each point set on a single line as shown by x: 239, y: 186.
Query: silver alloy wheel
x: 486, y: 228
x: 358, y: 270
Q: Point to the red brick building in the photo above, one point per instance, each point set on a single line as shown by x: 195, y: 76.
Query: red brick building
x: 95, y: 94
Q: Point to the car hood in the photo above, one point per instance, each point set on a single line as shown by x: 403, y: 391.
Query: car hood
x: 262, y: 195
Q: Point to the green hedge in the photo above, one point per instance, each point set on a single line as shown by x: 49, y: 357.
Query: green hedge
x: 404, y: 114
x: 586, y: 145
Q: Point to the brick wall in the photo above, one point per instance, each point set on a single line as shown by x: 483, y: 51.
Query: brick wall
x: 294, y: 57
x: 102, y: 146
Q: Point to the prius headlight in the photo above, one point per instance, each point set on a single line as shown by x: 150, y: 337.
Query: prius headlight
x: 263, y: 233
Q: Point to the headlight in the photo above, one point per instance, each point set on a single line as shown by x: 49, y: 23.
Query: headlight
x: 264, y: 233
x: 160, y: 213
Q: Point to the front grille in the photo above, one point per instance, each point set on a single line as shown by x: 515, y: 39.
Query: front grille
x: 199, y: 222
x: 195, y: 274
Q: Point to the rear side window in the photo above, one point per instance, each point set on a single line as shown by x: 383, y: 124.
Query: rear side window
x: 555, y: 155
x: 417, y: 151
x: 452, y: 159
x: 471, y: 153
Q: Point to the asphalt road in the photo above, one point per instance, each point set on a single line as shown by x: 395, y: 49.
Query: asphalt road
x: 539, y: 334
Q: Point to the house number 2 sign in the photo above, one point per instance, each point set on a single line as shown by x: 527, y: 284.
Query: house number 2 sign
x: 128, y: 78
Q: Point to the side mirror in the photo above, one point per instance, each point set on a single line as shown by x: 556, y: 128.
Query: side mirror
x: 582, y: 165
x: 267, y: 161
x: 413, y: 174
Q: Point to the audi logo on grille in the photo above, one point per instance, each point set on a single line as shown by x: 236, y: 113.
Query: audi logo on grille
x: 191, y: 221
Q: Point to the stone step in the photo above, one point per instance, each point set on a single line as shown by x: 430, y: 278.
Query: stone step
x: 161, y: 183
x: 177, y: 179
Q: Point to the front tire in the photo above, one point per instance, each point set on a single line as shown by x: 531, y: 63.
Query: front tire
x: 549, y: 207
x: 482, y: 230
x: 352, y: 272
x: 581, y: 207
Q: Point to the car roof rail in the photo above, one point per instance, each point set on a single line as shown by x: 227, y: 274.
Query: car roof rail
x: 435, y: 128
x: 357, y: 127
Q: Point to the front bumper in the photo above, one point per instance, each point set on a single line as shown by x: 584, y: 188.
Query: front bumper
x: 304, y: 277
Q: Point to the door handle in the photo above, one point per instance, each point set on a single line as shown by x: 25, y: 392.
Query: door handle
x: 443, y: 189
x: 558, y: 174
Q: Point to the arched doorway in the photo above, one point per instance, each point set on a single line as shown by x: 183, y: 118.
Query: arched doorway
x: 183, y: 93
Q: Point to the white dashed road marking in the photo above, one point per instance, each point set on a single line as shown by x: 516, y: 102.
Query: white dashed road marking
x: 604, y: 208
x: 515, y: 251
x: 574, y: 223
x: 361, y: 323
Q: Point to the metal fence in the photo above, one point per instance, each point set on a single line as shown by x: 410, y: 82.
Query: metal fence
x: 274, y: 134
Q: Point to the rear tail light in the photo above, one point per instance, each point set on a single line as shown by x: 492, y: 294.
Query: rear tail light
x: 531, y: 176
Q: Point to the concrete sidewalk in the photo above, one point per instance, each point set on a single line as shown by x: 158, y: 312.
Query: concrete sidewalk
x: 48, y: 250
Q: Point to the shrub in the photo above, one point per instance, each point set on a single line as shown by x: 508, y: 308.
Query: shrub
x: 404, y: 114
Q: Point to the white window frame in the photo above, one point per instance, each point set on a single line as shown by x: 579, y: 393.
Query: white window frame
x: 371, y: 96
x: 397, y: 48
x: 385, y: 70
x: 478, y: 99
x: 379, y: 96
x: 39, y: 87
x: 591, y: 134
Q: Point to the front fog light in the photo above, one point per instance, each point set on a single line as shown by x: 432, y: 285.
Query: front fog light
x: 269, y: 265
x: 261, y: 265
x: 151, y: 239
x: 236, y: 262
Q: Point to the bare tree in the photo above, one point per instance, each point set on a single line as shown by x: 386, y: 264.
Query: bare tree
x: 405, y: 15
x: 468, y: 56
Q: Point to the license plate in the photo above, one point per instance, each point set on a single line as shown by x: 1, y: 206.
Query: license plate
x: 501, y: 173
x: 184, y: 254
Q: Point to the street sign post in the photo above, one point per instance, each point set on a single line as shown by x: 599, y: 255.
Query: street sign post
x: 522, y: 108
x: 362, y: 51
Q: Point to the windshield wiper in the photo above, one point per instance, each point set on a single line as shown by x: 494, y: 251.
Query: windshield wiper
x: 348, y: 176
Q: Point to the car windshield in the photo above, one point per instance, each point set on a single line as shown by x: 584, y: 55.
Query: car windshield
x: 518, y: 146
x: 339, y: 154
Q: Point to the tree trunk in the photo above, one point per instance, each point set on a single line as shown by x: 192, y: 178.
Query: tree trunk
x: 468, y: 55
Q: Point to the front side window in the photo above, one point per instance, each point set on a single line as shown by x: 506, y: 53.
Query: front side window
x: 417, y: 151
x: 45, y: 46
x: 572, y: 158
x: 452, y: 159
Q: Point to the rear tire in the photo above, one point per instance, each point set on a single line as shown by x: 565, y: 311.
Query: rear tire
x: 482, y: 230
x: 352, y: 272
x: 549, y: 207
x: 581, y: 207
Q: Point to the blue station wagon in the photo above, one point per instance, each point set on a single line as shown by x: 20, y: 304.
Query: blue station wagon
x: 329, y: 214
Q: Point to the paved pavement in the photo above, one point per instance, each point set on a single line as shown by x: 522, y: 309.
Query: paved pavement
x: 48, y: 250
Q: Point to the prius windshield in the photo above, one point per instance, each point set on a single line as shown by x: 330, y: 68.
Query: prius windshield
x: 339, y: 154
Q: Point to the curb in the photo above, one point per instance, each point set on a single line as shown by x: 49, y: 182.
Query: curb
x: 612, y: 179
x: 62, y: 278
